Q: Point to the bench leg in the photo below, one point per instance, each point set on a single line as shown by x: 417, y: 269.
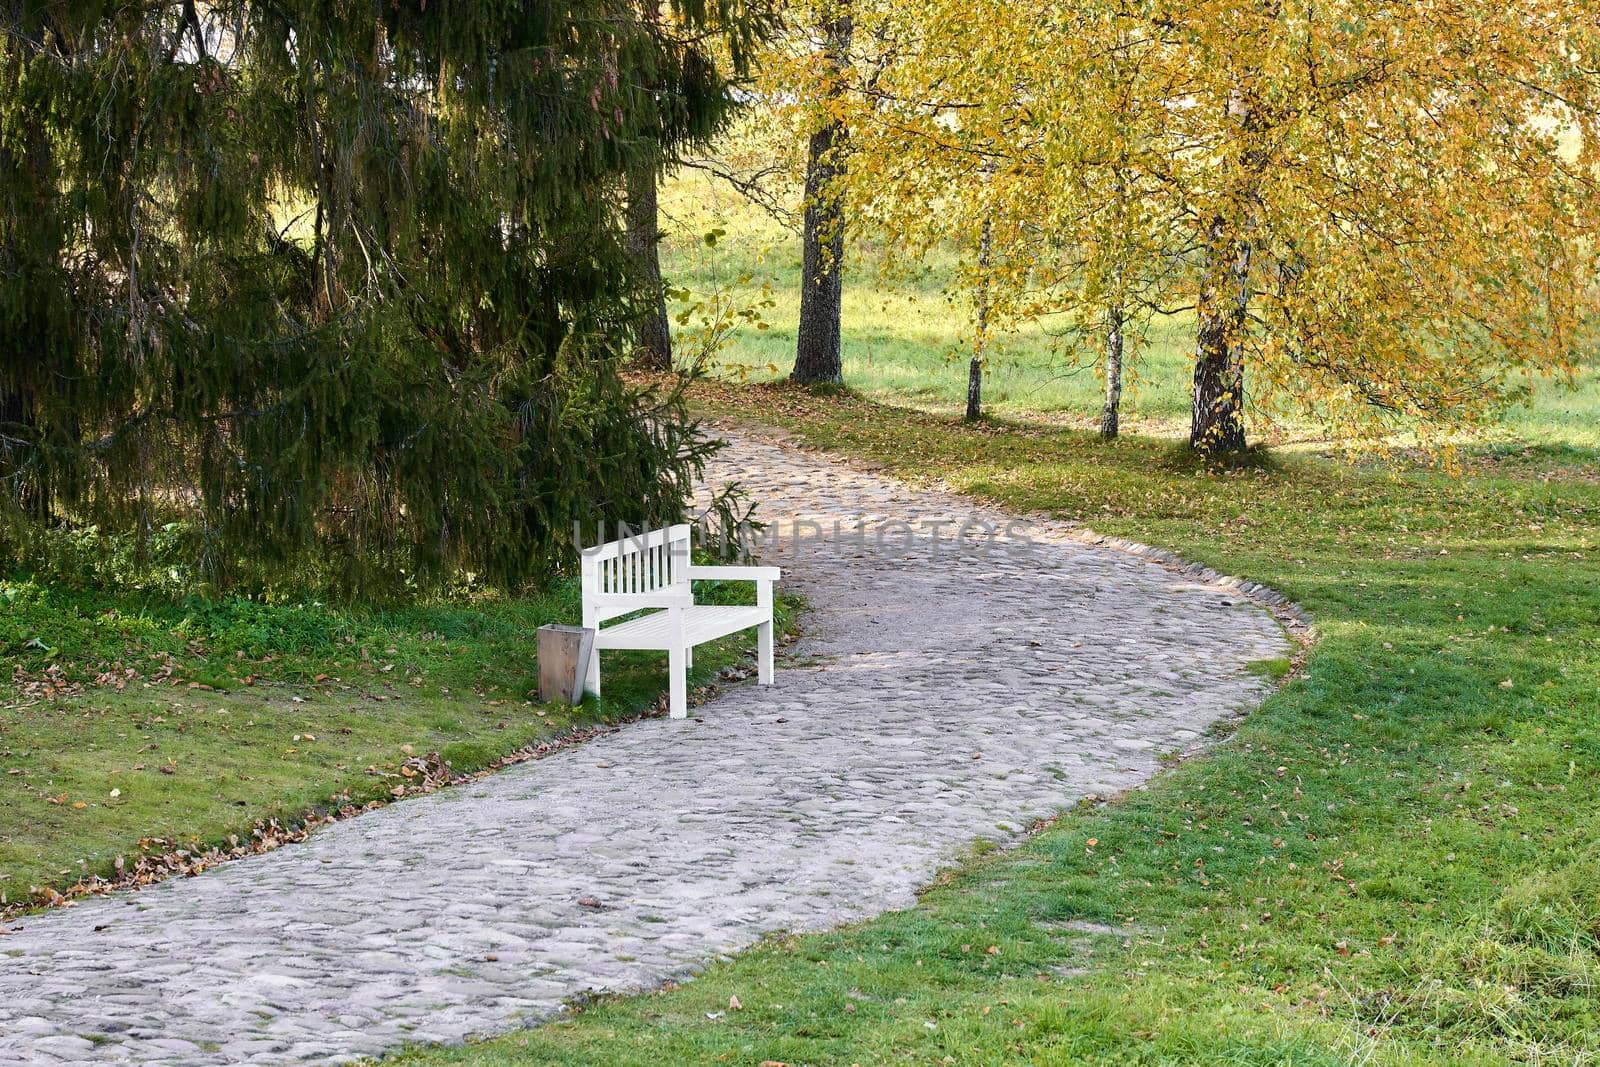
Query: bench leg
x: 688, y: 658
x: 764, y: 653
x: 592, y: 677
x: 678, y: 682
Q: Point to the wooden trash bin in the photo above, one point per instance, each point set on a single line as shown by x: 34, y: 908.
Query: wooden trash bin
x: 563, y: 662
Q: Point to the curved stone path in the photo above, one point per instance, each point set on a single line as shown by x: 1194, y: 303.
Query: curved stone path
x: 940, y: 694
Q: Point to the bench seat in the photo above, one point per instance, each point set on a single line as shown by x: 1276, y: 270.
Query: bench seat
x: 701, y: 623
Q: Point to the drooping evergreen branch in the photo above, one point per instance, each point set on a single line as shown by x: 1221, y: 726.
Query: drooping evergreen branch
x: 339, y: 288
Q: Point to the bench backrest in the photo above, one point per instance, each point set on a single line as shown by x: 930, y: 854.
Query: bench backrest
x: 647, y: 562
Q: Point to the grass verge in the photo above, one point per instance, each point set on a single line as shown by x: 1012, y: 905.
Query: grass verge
x: 1393, y: 861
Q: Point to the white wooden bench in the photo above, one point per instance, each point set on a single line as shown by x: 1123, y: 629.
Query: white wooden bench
x: 652, y: 571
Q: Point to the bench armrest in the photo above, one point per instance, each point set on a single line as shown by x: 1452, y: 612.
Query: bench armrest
x: 641, y: 600
x: 737, y: 574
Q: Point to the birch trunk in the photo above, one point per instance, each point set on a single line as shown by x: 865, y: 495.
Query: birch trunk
x: 975, y: 369
x: 1110, y: 415
x: 1217, y: 421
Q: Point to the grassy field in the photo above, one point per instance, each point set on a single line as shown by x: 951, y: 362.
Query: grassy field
x: 903, y: 338
x: 140, y: 723
x: 1393, y: 861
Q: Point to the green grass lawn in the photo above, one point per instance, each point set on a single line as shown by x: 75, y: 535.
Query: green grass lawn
x: 1395, y: 860
x: 1560, y: 417
x: 142, y: 723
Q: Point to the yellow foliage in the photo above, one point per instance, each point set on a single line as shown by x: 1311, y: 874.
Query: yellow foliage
x: 1387, y: 212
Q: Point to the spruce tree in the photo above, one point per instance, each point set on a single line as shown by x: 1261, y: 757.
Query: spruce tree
x: 338, y: 285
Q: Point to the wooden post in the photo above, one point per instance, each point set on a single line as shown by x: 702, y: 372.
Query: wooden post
x: 564, y: 662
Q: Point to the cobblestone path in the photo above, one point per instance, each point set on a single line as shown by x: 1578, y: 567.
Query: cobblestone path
x: 941, y: 693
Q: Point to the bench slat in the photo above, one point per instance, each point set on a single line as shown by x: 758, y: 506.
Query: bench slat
x: 637, y: 543
x: 700, y: 624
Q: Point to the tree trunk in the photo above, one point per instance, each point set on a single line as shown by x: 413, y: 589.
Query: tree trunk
x: 816, y: 356
x: 1110, y: 414
x: 1217, y: 422
x: 653, y: 347
x: 975, y: 371
x: 32, y: 232
x: 19, y: 449
x: 1216, y: 425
